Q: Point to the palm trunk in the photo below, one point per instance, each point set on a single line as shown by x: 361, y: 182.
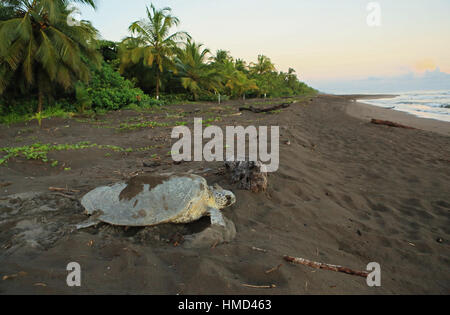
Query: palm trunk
x: 157, y: 84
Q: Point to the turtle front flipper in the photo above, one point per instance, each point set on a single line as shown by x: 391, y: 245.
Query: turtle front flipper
x: 222, y: 230
x: 216, y: 217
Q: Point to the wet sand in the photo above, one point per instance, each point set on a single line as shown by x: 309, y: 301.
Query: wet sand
x: 367, y: 112
x: 347, y: 192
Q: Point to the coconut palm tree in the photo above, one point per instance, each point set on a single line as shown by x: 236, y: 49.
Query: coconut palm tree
x: 264, y: 65
x: 152, y: 43
x: 41, y: 51
x: 7, y: 9
x: 221, y: 57
x: 196, y: 75
x: 241, y: 65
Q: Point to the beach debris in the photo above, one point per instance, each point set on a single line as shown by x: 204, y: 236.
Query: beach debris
x: 274, y: 269
x: 5, y: 184
x: 149, y: 200
x: 439, y: 240
x: 40, y: 284
x: 318, y: 265
x: 389, y: 123
x: 248, y: 174
x: 265, y: 110
x: 271, y: 286
x: 63, y: 190
x: 13, y: 276
x: 259, y: 249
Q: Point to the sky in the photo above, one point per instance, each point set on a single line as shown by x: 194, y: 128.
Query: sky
x: 328, y: 42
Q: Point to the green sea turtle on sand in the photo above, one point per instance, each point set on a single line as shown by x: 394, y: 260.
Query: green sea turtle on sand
x: 152, y: 200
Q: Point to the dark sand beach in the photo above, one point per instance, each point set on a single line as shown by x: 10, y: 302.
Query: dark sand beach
x: 348, y: 192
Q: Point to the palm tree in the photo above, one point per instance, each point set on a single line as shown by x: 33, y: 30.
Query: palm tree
x: 221, y: 57
x: 151, y: 43
x: 264, y: 65
x: 7, y: 9
x: 241, y: 65
x: 236, y: 82
x: 196, y: 75
x: 241, y: 84
x: 40, y: 50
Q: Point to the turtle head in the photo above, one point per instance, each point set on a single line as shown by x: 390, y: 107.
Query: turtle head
x: 223, y: 198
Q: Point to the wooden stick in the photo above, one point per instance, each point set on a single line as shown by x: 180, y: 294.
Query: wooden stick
x: 265, y: 110
x: 259, y: 249
x: 63, y: 190
x: 389, y: 123
x: 65, y: 196
x: 318, y: 265
x: 274, y: 269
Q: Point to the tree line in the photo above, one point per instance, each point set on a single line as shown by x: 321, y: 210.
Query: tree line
x: 44, y: 60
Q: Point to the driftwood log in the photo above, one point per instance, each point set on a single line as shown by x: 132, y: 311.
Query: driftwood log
x: 318, y: 265
x: 265, y: 110
x: 248, y: 174
x: 389, y: 123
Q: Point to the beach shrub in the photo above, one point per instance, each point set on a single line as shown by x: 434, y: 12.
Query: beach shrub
x: 109, y: 90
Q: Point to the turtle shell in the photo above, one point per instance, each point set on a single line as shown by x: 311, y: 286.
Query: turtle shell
x: 149, y: 200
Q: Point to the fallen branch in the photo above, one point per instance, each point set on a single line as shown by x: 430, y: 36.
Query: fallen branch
x: 265, y: 110
x: 317, y: 265
x: 389, y: 123
x: 5, y: 184
x: 272, y: 286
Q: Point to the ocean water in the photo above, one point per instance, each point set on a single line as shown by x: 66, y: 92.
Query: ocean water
x: 426, y: 104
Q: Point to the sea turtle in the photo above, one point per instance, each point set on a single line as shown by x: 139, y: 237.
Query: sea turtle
x: 151, y: 200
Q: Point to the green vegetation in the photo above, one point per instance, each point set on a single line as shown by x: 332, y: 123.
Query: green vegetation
x: 40, y: 51
x: 152, y: 45
x: 49, y: 68
x: 39, y: 151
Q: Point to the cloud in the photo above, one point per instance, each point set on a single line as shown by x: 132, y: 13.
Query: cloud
x: 429, y: 80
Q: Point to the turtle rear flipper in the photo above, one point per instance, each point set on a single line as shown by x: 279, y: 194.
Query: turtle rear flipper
x: 92, y: 221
